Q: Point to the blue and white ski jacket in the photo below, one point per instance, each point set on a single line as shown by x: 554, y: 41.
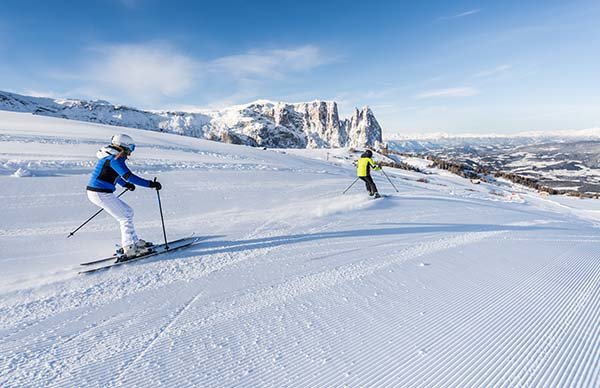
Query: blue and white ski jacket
x: 110, y: 170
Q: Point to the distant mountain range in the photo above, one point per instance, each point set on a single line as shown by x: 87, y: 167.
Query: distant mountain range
x: 559, y: 162
x: 262, y: 123
x: 436, y: 142
x: 433, y: 142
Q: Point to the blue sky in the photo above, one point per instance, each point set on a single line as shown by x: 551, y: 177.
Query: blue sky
x: 423, y: 67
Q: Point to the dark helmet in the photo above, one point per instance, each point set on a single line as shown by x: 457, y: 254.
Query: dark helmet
x: 368, y: 154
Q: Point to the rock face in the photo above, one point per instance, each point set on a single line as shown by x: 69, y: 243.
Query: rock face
x: 262, y: 123
x: 363, y: 129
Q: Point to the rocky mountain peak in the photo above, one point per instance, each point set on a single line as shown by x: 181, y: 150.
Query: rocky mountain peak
x: 363, y: 129
x: 262, y: 123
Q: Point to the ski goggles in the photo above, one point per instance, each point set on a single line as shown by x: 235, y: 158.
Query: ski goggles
x: 130, y: 148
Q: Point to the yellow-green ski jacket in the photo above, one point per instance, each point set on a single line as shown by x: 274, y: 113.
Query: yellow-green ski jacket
x: 364, y: 166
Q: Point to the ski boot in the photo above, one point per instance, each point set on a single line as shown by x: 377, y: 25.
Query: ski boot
x: 140, y: 247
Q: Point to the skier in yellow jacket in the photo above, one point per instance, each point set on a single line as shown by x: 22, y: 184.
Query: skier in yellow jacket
x: 363, y: 171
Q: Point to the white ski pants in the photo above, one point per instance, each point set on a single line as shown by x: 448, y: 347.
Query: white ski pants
x: 120, y: 211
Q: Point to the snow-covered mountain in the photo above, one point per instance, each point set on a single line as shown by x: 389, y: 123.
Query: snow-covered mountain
x: 262, y: 123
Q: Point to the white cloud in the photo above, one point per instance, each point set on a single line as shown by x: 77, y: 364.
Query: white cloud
x: 146, y: 71
x: 270, y: 64
x: 460, y: 15
x: 156, y: 74
x: 449, y: 93
x: 490, y: 72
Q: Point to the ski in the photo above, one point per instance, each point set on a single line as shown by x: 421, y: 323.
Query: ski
x: 113, y: 257
x: 155, y: 251
x: 116, y: 256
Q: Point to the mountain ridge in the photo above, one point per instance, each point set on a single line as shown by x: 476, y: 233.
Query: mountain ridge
x: 261, y: 123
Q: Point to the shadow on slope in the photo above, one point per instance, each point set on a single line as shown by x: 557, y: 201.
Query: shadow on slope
x: 233, y: 246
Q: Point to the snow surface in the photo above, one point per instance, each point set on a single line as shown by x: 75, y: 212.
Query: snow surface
x: 293, y: 284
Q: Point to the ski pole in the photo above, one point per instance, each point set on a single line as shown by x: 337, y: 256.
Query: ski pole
x: 89, y: 219
x: 162, y: 220
x: 388, y: 178
x: 350, y: 186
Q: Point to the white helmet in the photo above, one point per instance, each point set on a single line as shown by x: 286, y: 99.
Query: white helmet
x: 123, y: 141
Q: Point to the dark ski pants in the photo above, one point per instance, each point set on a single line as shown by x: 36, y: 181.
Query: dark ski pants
x: 371, y: 188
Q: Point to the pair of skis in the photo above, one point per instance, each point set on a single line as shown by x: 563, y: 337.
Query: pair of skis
x: 154, y: 250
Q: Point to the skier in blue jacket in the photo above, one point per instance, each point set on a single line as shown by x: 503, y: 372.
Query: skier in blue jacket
x: 111, y: 170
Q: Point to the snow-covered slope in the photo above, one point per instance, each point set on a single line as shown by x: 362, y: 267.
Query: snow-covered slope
x: 293, y: 284
x: 262, y: 123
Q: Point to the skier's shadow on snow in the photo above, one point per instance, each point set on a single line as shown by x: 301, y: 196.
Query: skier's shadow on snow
x: 215, y: 247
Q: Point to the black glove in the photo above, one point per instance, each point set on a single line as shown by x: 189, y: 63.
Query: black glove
x: 129, y: 186
x: 155, y: 185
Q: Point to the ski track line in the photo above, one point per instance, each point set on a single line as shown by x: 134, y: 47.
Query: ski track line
x: 593, y: 358
x: 428, y: 371
x: 320, y: 380
x: 86, y: 352
x: 566, y: 326
x: 495, y: 308
x: 483, y: 294
x: 533, y: 342
x: 30, y: 361
x: 394, y: 356
x: 218, y: 379
x: 233, y: 260
x: 155, y: 339
x: 216, y: 366
x: 575, y: 355
x: 594, y: 377
x: 52, y: 301
x: 498, y: 311
x: 310, y: 283
x: 529, y: 316
x: 425, y: 252
x: 333, y: 375
x: 28, y: 307
x: 558, y: 321
x: 160, y: 332
x: 261, y: 299
x: 435, y: 382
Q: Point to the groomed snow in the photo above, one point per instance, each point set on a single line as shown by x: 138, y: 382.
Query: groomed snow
x: 293, y: 284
